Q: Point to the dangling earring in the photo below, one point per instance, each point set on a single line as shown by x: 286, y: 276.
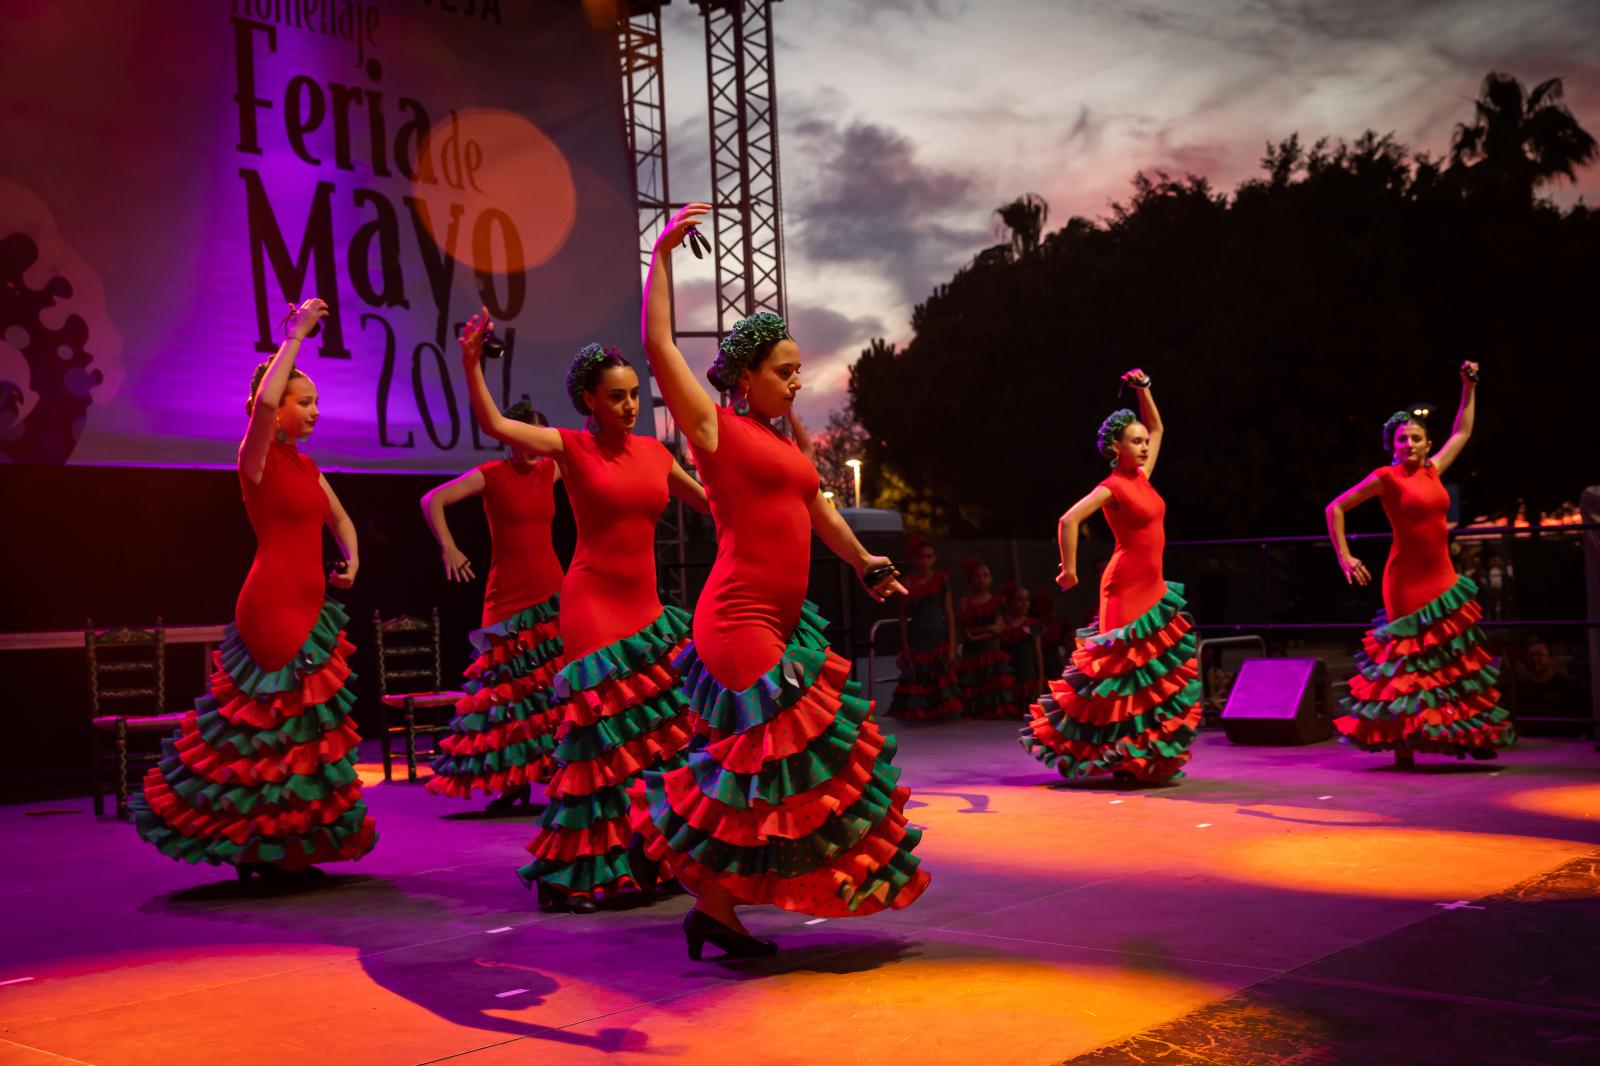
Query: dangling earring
x: 279, y: 435
x: 741, y: 404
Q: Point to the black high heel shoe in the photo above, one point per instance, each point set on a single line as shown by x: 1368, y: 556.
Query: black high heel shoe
x: 698, y: 928
x: 553, y: 899
x: 502, y: 803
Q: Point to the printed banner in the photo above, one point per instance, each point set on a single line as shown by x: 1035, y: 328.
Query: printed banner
x: 177, y: 171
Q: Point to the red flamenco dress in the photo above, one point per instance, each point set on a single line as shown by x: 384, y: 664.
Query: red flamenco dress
x: 928, y: 687
x: 789, y: 796
x: 622, y: 709
x: 1129, y: 702
x: 262, y: 771
x: 988, y: 687
x: 1426, y: 682
x: 504, y: 728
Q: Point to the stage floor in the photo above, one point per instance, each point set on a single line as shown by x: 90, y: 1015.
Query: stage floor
x: 1306, y: 905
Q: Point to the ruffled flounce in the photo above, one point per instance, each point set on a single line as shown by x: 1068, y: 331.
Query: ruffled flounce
x: 796, y: 805
x: 988, y: 687
x: 1129, y: 700
x: 1426, y: 682
x: 928, y: 687
x: 622, y: 712
x: 264, y: 773
x: 503, y: 732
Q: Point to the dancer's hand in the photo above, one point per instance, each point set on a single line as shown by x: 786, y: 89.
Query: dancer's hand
x: 457, y: 567
x: 675, y: 231
x: 1137, y: 378
x: 1355, y: 571
x: 472, y: 334
x: 889, y: 586
x: 303, y: 320
x: 343, y: 579
x: 1065, y: 579
x: 1469, y: 373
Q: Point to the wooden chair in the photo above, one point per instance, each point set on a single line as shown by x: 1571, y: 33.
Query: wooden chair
x: 127, y: 698
x: 408, y: 656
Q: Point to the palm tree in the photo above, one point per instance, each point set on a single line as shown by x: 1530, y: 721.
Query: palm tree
x: 1025, y: 217
x: 1520, y: 140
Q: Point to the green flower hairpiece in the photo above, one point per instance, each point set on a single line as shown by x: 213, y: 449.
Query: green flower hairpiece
x: 1111, y: 429
x: 749, y: 337
x: 585, y: 365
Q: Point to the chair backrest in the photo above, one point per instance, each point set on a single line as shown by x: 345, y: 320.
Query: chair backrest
x: 127, y: 669
x: 408, y: 653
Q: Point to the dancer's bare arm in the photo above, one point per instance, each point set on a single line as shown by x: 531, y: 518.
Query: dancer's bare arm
x: 1466, y: 414
x: 692, y: 407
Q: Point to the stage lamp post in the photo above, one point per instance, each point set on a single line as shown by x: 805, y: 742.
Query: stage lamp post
x: 855, y: 468
x: 827, y: 494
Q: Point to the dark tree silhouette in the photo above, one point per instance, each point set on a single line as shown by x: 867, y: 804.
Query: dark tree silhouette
x: 1519, y: 140
x: 1282, y: 324
x: 1025, y: 217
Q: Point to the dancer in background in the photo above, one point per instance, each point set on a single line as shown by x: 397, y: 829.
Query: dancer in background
x: 261, y: 774
x: 1129, y: 703
x: 927, y: 686
x: 988, y: 688
x: 1019, y: 637
x: 504, y: 728
x: 621, y: 708
x: 1426, y: 682
x: 789, y: 796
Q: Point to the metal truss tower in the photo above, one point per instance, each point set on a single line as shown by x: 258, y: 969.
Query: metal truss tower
x: 747, y: 228
x: 746, y: 190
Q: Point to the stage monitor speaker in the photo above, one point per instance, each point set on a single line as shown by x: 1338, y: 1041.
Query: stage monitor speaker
x: 1278, y: 701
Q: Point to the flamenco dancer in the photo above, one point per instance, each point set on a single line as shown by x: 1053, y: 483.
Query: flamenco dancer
x: 261, y: 774
x: 788, y: 796
x: 1129, y: 702
x: 928, y: 686
x: 1019, y: 636
x: 988, y: 687
x: 504, y: 728
x: 1426, y: 682
x: 617, y: 692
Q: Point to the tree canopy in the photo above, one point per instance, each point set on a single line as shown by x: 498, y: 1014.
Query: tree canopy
x: 1280, y: 324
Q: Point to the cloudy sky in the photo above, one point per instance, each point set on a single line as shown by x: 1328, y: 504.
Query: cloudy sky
x: 904, y: 123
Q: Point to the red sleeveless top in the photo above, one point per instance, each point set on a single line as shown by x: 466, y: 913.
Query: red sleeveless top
x: 283, y: 593
x: 1132, y: 583
x: 1418, y: 507
x: 523, y: 567
x: 761, y: 489
x: 618, y: 493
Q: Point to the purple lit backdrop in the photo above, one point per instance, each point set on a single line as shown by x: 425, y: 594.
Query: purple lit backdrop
x: 130, y: 173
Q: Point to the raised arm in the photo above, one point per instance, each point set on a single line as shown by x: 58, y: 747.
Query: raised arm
x: 691, y: 405
x: 457, y: 567
x: 841, y: 540
x: 1147, y: 414
x: 1067, y: 533
x: 344, y: 533
x: 687, y: 489
x: 802, y: 439
x: 1461, y: 432
x: 541, y: 440
x: 264, y: 404
x: 1355, y: 571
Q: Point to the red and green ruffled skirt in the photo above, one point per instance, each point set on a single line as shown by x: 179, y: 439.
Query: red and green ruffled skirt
x: 789, y: 796
x: 1427, y: 683
x: 504, y: 728
x: 263, y: 769
x: 988, y: 687
x: 1129, y: 700
x: 622, y: 712
x: 927, y: 687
